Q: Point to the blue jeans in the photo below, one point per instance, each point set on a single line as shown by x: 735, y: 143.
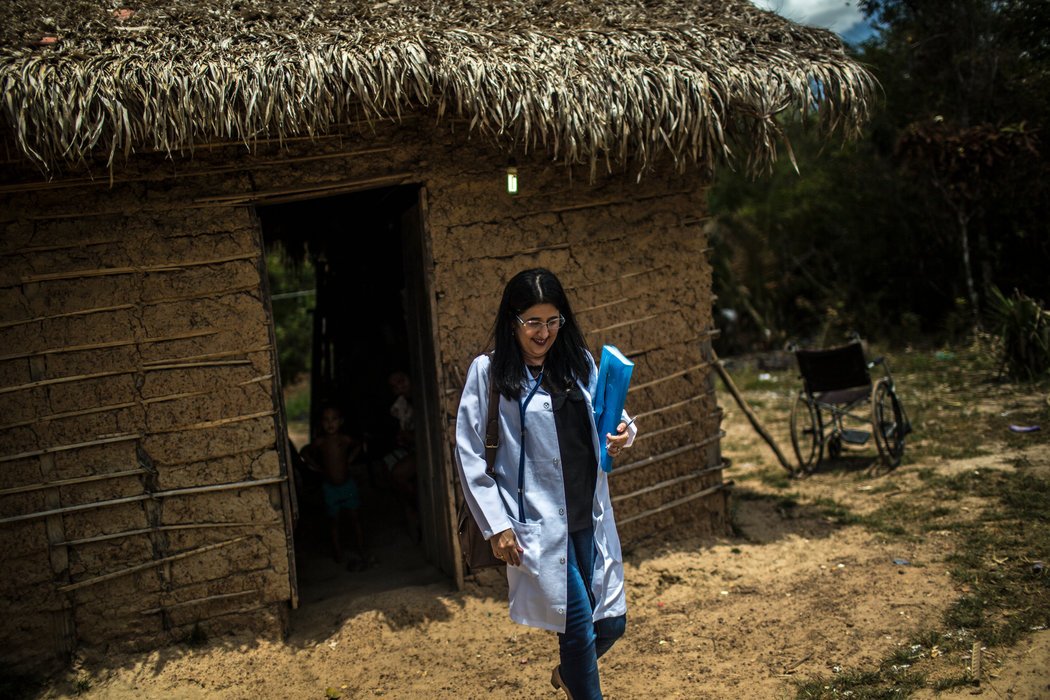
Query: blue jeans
x: 584, y: 641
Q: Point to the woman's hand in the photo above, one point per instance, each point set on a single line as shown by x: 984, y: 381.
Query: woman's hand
x: 505, y: 547
x: 615, y: 443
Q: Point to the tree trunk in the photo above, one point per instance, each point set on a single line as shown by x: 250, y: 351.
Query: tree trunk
x: 964, y: 236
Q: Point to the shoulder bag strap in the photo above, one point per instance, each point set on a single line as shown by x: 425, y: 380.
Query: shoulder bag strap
x: 492, y: 428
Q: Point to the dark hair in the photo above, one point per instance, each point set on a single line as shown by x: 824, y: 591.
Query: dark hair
x: 567, y: 358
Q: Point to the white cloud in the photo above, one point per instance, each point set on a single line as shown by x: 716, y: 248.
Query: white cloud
x: 837, y: 15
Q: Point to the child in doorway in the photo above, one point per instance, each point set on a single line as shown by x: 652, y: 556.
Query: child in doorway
x: 331, y: 454
x: 401, y: 461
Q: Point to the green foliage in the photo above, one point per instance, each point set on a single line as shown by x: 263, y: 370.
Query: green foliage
x: 1023, y: 327
x: 825, y: 252
x: 292, y: 314
x: 297, y: 401
x: 857, y: 241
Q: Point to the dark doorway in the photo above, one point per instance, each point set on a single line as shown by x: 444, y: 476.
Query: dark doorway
x: 365, y: 301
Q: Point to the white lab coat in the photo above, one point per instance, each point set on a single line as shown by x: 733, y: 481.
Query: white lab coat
x: 538, y: 586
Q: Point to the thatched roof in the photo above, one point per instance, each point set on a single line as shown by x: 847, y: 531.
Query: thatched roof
x: 622, y: 81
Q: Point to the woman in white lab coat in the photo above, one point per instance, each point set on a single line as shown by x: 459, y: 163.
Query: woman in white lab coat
x: 547, y: 511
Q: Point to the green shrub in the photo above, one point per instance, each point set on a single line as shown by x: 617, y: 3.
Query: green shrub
x: 1023, y: 327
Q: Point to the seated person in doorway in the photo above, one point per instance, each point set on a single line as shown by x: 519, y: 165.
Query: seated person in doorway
x: 401, y: 461
x: 331, y: 454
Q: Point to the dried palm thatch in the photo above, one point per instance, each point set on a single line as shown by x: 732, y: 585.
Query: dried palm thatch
x: 595, y: 83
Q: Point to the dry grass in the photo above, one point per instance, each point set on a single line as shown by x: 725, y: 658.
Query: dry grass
x: 594, y: 83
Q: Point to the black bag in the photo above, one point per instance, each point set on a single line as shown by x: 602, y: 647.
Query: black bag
x: 476, y: 550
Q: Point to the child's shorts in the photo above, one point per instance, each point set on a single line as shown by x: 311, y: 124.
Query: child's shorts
x: 342, y: 496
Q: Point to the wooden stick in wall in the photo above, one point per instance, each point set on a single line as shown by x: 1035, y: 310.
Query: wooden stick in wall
x: 207, y: 356
x: 247, y: 197
x: 211, y: 457
x: 629, y: 275
x: 107, y: 271
x: 111, y: 344
x: 202, y: 295
x: 676, y: 404
x: 189, y: 365
x: 143, y: 497
x: 669, y: 377
x: 74, y: 446
x: 646, y: 461
x: 673, y: 504
x: 652, y: 459
x: 674, y: 481
x: 198, y: 601
x: 71, y: 414
x: 622, y: 324
x: 605, y: 305
x: 256, y: 164
x: 69, y: 482
x: 169, y: 528
x: 212, y: 423
x: 686, y: 341
x: 651, y: 434
x: 51, y: 248
x: 148, y: 565
x: 608, y: 202
x: 751, y: 417
x: 528, y: 251
x: 164, y: 208
x: 81, y: 312
x: 63, y: 380
x: 175, y: 397
x: 621, y: 277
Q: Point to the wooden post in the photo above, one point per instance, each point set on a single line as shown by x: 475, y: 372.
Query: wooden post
x: 751, y: 417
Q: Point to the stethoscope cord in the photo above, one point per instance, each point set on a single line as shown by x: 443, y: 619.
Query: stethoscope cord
x: 524, y: 404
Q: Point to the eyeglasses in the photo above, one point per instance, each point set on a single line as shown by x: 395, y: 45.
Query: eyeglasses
x: 533, y: 325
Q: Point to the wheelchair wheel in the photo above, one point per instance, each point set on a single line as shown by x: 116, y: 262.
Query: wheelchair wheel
x: 888, y: 423
x: 807, y: 434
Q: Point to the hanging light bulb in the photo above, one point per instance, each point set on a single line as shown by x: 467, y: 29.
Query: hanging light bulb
x: 512, y: 177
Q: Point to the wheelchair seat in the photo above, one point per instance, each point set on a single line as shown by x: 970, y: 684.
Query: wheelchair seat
x: 838, y: 375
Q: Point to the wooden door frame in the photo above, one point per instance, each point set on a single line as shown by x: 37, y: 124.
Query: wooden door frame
x: 434, y: 472
x: 289, y: 505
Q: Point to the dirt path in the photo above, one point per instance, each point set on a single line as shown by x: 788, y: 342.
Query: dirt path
x: 793, y: 594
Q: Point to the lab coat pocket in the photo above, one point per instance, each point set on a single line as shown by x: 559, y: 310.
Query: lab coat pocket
x: 528, y: 536
x: 528, y: 602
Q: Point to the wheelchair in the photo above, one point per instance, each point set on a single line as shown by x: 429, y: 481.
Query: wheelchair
x: 837, y: 391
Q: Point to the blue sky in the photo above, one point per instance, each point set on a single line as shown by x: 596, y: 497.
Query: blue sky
x: 840, y: 16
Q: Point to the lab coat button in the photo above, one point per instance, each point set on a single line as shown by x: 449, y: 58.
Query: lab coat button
x: 561, y: 611
x: 546, y: 404
x: 556, y: 460
x: 562, y: 560
x: 561, y: 511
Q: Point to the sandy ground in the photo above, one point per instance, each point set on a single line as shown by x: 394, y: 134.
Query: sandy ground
x: 790, y: 596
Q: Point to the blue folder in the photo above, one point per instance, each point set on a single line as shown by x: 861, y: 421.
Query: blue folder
x: 614, y: 376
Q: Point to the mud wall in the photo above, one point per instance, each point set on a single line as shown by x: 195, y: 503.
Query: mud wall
x: 142, y: 496
x: 633, y: 258
x: 139, y: 479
